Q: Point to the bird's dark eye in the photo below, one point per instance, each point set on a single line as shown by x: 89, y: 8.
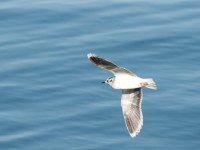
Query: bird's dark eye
x: 111, y: 80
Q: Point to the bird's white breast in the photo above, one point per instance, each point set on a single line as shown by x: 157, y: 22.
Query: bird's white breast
x: 126, y: 82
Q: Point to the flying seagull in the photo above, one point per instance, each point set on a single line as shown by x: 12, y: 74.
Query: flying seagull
x: 131, y: 85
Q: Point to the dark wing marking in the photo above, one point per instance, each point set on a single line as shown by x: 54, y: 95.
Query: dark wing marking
x: 131, y: 108
x: 107, y: 65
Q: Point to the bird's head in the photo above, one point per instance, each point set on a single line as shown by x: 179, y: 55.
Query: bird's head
x: 109, y: 81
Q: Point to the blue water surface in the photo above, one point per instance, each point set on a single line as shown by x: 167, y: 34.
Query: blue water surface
x: 51, y: 96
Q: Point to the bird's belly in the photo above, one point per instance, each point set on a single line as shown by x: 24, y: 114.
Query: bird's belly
x: 127, y: 82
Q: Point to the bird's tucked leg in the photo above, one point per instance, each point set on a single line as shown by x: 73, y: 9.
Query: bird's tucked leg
x: 144, y: 84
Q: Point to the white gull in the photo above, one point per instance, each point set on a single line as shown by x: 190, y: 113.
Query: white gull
x: 131, y: 85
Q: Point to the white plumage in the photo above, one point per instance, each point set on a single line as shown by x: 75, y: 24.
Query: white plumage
x: 131, y: 85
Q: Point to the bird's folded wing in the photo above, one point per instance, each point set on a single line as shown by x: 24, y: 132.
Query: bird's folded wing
x: 107, y: 65
x: 131, y: 108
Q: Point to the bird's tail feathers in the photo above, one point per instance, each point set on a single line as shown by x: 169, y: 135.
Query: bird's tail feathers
x: 150, y: 83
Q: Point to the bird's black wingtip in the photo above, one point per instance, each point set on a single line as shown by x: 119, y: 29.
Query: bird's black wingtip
x: 89, y: 55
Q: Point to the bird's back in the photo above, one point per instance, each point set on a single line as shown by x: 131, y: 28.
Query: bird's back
x: 126, y: 82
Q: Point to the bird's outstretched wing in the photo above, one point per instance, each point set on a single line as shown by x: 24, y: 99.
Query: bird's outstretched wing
x: 131, y: 108
x: 107, y: 65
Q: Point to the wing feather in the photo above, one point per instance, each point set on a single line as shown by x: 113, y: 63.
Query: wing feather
x: 131, y: 108
x: 107, y: 65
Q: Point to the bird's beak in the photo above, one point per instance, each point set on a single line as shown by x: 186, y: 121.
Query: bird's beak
x: 103, y: 82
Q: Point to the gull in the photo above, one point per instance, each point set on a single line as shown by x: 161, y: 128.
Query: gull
x: 131, y: 86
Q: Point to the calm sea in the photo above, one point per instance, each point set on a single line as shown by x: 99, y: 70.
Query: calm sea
x: 51, y: 97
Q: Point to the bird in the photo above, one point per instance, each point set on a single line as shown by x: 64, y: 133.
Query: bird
x: 131, y: 86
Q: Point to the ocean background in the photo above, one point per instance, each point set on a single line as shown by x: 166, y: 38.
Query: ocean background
x: 51, y: 96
